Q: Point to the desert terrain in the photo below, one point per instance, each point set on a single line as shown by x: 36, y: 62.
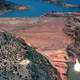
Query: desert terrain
x: 45, y: 34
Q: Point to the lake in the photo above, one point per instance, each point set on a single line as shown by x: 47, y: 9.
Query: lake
x: 39, y: 8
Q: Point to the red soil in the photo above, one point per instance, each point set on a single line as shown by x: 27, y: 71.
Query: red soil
x: 46, y: 35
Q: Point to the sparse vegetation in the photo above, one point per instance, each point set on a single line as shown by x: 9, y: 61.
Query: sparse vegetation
x: 14, y: 50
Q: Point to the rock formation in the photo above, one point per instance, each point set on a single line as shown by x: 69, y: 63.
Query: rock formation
x: 72, y: 29
x: 18, y: 61
x: 7, y: 6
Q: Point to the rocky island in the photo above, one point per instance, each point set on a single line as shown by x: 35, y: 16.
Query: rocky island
x: 7, y: 6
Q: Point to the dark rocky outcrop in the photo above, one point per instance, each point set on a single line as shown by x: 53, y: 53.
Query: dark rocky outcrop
x: 72, y: 29
x: 19, y: 61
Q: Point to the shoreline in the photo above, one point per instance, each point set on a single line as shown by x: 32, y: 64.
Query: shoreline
x: 60, y: 3
x: 60, y: 14
x: 49, y: 14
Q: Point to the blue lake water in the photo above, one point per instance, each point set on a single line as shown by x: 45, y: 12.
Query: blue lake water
x: 39, y: 8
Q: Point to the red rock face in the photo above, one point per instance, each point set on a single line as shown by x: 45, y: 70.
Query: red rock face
x: 46, y: 35
x: 58, y: 58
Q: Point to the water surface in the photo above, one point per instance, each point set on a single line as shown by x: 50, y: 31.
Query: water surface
x: 39, y: 8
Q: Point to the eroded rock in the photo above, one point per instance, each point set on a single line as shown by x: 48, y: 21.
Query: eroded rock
x: 18, y: 61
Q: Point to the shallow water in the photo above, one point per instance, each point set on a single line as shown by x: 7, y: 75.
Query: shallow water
x: 39, y: 8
